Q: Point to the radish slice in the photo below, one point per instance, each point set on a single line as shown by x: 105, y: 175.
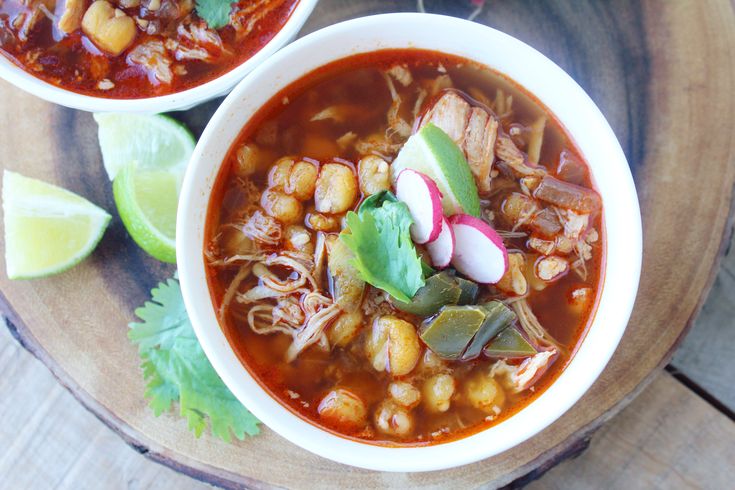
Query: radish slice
x: 441, y: 249
x: 424, y: 201
x: 479, y: 252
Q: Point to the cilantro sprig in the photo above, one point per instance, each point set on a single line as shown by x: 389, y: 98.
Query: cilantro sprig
x: 378, y: 234
x: 176, y: 369
x: 216, y: 13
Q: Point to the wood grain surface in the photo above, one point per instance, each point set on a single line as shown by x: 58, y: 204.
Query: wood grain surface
x: 667, y: 438
x: 706, y: 355
x: 663, y: 73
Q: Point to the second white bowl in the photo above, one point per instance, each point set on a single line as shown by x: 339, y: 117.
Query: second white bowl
x: 177, y: 101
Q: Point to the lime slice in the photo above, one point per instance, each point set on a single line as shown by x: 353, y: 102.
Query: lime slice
x: 156, y: 141
x: 147, y: 199
x: 433, y: 153
x: 47, y: 229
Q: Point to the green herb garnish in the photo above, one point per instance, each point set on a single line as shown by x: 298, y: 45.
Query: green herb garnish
x: 378, y: 234
x: 216, y: 13
x: 176, y: 369
x: 376, y: 201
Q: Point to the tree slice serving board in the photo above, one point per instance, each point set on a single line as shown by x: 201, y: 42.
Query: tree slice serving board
x: 663, y: 73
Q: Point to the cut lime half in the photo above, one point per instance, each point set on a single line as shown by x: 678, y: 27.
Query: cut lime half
x: 47, y: 229
x: 147, y: 200
x: 157, y: 141
x: 432, y: 152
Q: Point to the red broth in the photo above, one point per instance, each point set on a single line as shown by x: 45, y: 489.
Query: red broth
x: 338, y: 115
x: 171, y: 48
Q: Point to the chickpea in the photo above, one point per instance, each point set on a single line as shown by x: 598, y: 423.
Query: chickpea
x: 374, y: 174
x: 392, y: 419
x: 393, y: 346
x: 234, y: 242
x: 345, y: 328
x: 405, y: 394
x: 247, y: 160
x: 431, y: 363
x: 336, y: 189
x: 437, y: 392
x: 109, y: 28
x: 302, y: 181
x: 323, y: 222
x: 71, y: 18
x: 286, y: 209
x: 484, y: 393
x: 344, y: 408
x: 299, y: 239
x: 280, y: 171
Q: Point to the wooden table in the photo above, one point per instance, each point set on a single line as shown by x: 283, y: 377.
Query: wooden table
x: 664, y: 81
x: 671, y: 436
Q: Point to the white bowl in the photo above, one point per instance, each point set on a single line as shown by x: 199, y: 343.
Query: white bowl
x: 539, y: 76
x: 178, y: 101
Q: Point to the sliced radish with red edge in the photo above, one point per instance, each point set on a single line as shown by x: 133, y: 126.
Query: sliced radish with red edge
x: 424, y: 201
x: 479, y: 252
x: 441, y: 248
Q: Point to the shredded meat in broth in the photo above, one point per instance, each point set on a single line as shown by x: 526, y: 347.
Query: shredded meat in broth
x: 313, y: 326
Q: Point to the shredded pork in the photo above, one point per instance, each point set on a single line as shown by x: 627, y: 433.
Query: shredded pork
x: 519, y: 378
x: 153, y: 57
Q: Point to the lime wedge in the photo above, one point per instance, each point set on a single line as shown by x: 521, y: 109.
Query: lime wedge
x: 147, y: 199
x: 47, y: 229
x: 157, y: 141
x: 433, y: 153
x: 145, y: 157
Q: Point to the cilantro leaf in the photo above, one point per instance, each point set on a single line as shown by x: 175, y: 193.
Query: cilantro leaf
x: 376, y: 201
x: 378, y: 234
x: 216, y: 13
x: 164, y: 319
x: 176, y: 369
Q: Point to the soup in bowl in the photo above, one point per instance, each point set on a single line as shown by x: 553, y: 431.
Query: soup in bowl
x: 400, y: 253
x: 139, y: 55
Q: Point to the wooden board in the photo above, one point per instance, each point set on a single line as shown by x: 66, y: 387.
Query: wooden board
x: 663, y: 74
x: 668, y: 437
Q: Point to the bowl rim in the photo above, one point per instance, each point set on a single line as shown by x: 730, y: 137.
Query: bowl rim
x: 17, y: 76
x: 591, y: 133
